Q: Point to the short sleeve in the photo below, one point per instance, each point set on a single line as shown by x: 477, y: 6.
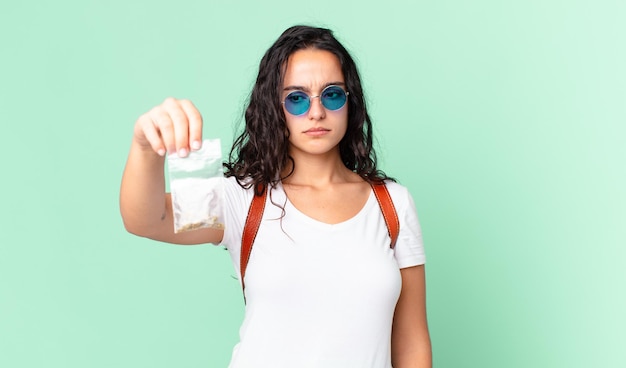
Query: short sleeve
x: 236, y: 203
x: 409, y: 249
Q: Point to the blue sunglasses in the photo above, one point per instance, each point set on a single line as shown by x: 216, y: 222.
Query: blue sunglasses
x: 332, y: 97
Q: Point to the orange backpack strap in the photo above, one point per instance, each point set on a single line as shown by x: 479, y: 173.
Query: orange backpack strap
x: 255, y: 214
x: 389, y: 211
x: 253, y: 221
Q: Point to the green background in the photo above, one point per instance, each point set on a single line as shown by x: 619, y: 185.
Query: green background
x: 506, y: 119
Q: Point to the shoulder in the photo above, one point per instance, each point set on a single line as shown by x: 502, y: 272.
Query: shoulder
x: 233, y: 187
x: 399, y: 193
x: 237, y: 197
x: 395, y: 188
x: 402, y: 201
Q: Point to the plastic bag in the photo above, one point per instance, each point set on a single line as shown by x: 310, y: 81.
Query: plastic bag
x: 196, y: 185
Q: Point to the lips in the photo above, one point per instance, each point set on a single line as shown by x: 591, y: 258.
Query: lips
x: 317, y: 130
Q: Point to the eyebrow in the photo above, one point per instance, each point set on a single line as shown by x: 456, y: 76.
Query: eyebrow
x: 305, y: 89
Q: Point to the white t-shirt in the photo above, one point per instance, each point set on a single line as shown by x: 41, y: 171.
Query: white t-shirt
x: 319, y: 295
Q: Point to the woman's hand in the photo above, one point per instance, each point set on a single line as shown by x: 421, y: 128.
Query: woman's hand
x: 173, y: 126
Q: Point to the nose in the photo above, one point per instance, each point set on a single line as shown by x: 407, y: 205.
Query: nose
x: 317, y: 111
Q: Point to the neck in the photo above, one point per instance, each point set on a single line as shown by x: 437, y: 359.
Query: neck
x: 318, y: 170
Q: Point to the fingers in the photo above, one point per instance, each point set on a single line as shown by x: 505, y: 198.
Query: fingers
x: 173, y: 126
x: 147, y: 128
x: 175, y: 130
x: 164, y: 126
x: 195, y: 124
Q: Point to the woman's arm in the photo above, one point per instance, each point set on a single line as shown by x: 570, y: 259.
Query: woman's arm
x: 410, y: 340
x: 173, y: 126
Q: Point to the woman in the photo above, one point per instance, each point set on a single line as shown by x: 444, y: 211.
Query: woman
x: 323, y: 287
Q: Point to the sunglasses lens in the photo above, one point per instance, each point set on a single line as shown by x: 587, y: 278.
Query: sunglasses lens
x: 297, y: 103
x: 333, y: 98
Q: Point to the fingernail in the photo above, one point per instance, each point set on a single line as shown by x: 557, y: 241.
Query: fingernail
x: 182, y: 152
x: 196, y: 145
x: 161, y: 152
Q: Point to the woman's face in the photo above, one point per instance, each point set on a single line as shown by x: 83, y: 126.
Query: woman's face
x: 319, y: 130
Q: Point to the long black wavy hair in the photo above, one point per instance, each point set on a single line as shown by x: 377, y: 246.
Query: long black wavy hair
x: 260, y: 154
